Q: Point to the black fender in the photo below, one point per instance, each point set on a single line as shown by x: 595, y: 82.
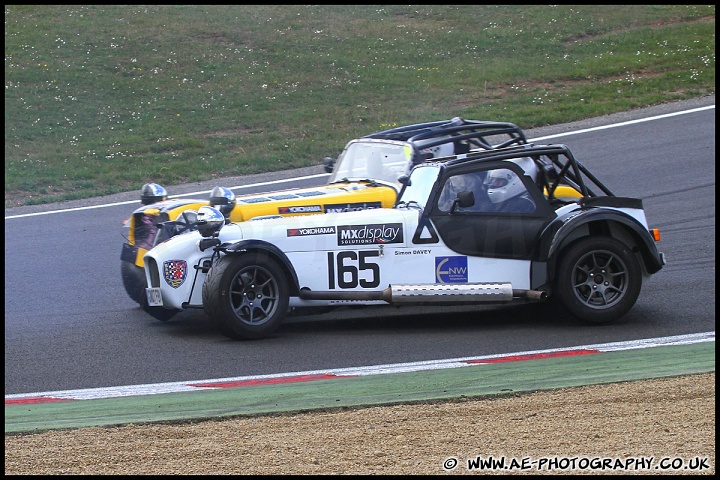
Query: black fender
x: 553, y: 236
x: 273, y: 251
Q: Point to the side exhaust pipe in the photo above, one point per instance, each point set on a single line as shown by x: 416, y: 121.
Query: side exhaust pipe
x: 460, y: 293
x: 537, y: 295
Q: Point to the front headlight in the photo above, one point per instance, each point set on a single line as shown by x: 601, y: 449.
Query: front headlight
x: 152, y: 193
x: 209, y: 221
x: 224, y: 199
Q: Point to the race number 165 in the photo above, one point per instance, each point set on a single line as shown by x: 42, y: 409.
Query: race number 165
x: 347, y: 268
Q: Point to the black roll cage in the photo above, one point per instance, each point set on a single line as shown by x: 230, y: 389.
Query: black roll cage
x: 474, y: 131
x: 570, y: 171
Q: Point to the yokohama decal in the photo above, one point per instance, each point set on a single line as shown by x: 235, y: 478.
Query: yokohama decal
x: 301, y: 232
x: 300, y: 209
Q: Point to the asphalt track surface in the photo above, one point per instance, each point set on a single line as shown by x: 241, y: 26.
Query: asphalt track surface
x: 69, y: 325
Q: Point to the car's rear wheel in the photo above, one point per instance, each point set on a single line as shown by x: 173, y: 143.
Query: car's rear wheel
x: 246, y: 295
x: 598, y: 279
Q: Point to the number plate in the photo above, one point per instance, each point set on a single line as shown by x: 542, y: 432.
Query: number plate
x: 154, y: 297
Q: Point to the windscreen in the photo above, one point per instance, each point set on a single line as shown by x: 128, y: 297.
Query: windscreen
x: 421, y: 181
x: 372, y: 160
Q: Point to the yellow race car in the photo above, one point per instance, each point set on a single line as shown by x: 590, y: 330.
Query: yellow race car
x: 365, y: 176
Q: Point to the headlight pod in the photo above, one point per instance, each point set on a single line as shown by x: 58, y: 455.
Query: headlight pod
x: 224, y: 199
x: 209, y: 221
x: 152, y: 193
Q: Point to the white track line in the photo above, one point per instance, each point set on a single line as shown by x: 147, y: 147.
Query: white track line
x: 197, y: 385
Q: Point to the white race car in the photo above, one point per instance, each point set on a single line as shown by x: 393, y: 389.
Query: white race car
x: 520, y: 224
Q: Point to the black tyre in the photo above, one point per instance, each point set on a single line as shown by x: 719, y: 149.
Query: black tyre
x: 598, y: 279
x: 246, y: 295
x: 133, y: 278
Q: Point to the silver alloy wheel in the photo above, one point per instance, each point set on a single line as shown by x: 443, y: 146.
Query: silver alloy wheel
x: 254, y: 295
x: 600, y: 279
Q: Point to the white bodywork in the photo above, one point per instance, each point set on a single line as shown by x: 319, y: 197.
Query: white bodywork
x: 374, y: 248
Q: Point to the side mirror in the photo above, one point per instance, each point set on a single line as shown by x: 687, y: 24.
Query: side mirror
x: 329, y: 164
x: 206, y: 243
x: 404, y: 180
x: 463, y: 200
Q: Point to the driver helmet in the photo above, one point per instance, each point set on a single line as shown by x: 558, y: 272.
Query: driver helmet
x: 152, y: 193
x: 503, y: 184
x: 223, y: 199
x: 472, y: 182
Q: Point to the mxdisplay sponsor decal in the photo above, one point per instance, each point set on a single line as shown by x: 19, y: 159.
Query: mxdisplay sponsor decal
x: 350, y: 207
x: 380, y: 233
x: 300, y: 209
x: 301, y: 232
x: 451, y: 269
x: 175, y: 272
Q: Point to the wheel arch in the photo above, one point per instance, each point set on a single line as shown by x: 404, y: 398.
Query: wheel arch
x: 609, y: 223
x: 273, y: 252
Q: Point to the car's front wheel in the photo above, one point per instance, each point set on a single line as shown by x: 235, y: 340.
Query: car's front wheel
x: 246, y: 295
x: 134, y: 281
x: 598, y: 279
